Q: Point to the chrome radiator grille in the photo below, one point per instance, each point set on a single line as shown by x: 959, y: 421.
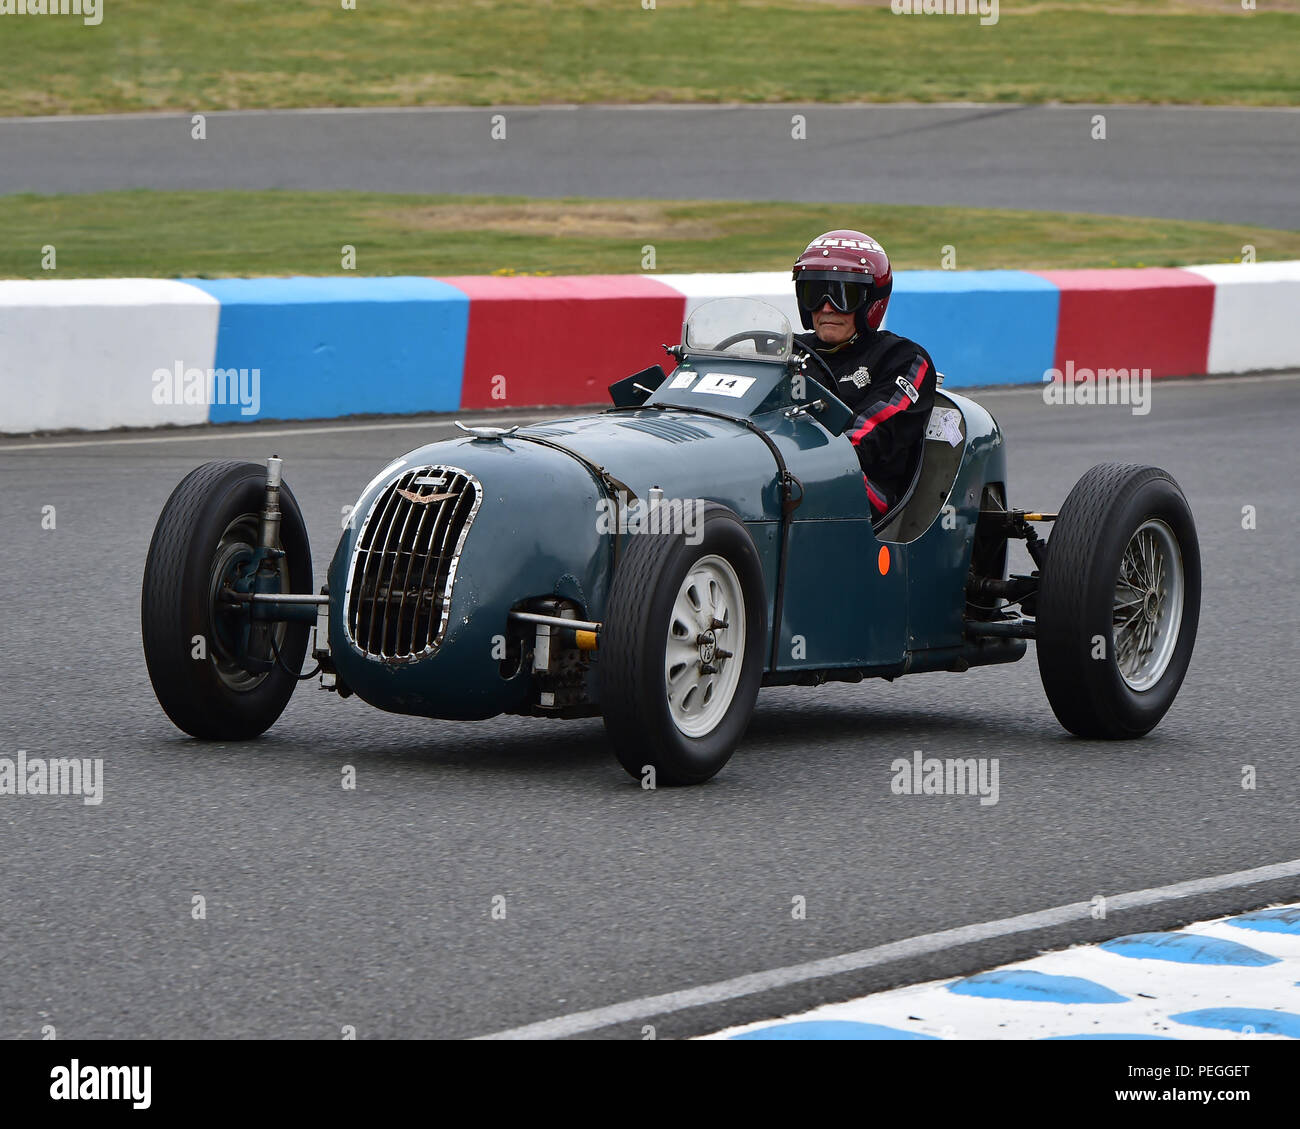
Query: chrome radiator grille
x: 404, y: 563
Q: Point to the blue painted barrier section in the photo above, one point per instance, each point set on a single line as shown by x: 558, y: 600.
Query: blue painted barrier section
x: 981, y: 327
x: 329, y: 347
x: 1187, y: 948
x: 1285, y: 920
x: 1258, y: 1020
x: 1027, y: 984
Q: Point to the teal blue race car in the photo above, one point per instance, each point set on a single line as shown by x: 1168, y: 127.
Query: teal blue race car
x: 660, y: 561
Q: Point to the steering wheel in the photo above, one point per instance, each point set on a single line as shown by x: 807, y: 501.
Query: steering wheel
x: 759, y: 337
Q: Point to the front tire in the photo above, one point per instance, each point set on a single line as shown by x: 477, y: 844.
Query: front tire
x: 209, y: 523
x: 1119, y: 601
x: 681, y: 649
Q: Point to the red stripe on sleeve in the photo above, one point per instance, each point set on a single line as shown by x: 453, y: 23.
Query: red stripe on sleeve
x: 891, y: 409
x: 875, y: 499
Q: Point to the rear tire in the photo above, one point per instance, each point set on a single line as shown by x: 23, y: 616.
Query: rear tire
x: 664, y: 708
x: 211, y: 517
x: 1119, y: 601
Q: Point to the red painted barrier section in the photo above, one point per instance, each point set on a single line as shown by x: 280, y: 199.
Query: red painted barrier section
x: 562, y: 340
x: 1148, y: 317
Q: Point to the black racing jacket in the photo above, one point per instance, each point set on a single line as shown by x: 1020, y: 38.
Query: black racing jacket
x: 888, y: 382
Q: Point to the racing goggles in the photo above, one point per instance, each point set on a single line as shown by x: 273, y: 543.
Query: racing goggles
x: 844, y: 296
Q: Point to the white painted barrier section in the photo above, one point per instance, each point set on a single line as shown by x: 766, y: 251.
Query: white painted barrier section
x: 81, y: 353
x: 773, y: 287
x: 1256, y: 321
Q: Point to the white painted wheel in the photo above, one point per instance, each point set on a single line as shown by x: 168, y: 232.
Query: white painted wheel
x: 705, y: 647
x: 681, y: 649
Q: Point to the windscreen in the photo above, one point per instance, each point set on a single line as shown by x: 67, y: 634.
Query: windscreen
x: 741, y: 327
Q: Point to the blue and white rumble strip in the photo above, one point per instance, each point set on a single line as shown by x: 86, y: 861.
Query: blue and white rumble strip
x: 1235, y: 977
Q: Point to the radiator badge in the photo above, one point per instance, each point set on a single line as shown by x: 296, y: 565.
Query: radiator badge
x: 424, y: 499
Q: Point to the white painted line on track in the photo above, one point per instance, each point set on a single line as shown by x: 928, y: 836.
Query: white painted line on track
x: 230, y: 436
x: 536, y: 415
x: 632, y: 1010
x: 1142, y: 990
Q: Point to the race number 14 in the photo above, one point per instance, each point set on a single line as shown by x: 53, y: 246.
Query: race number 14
x: 719, y: 384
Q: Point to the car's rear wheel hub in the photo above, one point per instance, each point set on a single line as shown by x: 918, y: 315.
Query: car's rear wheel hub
x: 1148, y: 605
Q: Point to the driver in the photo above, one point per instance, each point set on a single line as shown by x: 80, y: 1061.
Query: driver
x: 842, y: 283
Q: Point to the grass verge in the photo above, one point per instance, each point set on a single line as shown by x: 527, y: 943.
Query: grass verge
x: 180, y: 234
x: 239, y: 54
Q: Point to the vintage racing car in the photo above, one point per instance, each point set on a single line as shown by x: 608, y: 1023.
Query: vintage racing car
x: 658, y: 562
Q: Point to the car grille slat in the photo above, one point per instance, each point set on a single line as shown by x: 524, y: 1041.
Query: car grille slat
x: 434, y: 550
x: 384, y: 576
x: 441, y: 523
x: 373, y: 573
x: 404, y: 643
x: 404, y: 538
x: 391, y: 642
x: 444, y: 561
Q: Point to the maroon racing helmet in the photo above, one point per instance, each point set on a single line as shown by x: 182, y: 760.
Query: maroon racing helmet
x: 849, y: 268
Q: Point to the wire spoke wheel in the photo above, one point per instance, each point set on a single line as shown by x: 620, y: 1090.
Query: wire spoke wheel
x: 1148, y: 605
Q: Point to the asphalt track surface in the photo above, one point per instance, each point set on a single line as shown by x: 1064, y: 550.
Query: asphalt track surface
x: 373, y: 907
x: 1228, y: 165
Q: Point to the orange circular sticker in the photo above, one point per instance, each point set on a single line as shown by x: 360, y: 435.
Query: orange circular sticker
x: 883, y: 559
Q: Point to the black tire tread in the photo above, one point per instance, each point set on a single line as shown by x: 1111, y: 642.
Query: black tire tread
x: 1069, y: 675
x: 185, y: 695
x: 630, y: 716
x: 623, y: 646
